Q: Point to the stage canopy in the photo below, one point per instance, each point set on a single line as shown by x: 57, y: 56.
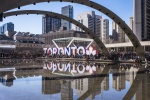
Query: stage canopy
x: 73, y: 41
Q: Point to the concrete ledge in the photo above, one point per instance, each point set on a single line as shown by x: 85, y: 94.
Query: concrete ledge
x: 85, y: 60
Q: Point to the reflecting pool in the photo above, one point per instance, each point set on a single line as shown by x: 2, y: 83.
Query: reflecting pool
x: 27, y: 79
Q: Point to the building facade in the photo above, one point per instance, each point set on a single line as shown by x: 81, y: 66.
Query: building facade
x: 98, y: 25
x: 50, y: 24
x: 7, y: 27
x: 95, y: 23
x: 131, y: 23
x: 121, y: 35
x: 28, y: 37
x: 63, y: 34
x: 88, y: 20
x: 142, y: 19
x: 105, y: 31
x: 67, y: 11
x: 114, y: 32
x: 118, y: 34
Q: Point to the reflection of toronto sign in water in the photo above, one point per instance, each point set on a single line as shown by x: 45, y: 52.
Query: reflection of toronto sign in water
x: 72, y: 68
x: 70, y: 50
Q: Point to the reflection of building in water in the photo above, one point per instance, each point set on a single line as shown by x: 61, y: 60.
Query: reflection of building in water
x: 50, y: 86
x: 83, y: 85
x: 130, y: 76
x: 146, y: 87
x: 105, y: 83
x: 119, y: 80
x: 91, y: 81
x: 138, y: 95
x: 143, y: 92
x: 28, y: 73
x: 6, y: 78
x: 132, y: 73
x: 66, y: 90
x: 127, y: 75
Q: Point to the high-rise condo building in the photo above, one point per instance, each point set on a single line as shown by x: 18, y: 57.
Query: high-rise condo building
x: 87, y: 19
x: 67, y: 11
x: 95, y: 23
x: 7, y: 27
x: 131, y: 23
x: 105, y: 31
x: 117, y: 33
x: 142, y: 19
x: 98, y: 25
x: 50, y: 24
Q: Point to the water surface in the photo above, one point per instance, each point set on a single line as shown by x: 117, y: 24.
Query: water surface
x: 60, y: 80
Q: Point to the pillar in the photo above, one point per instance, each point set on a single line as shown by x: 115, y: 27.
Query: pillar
x: 1, y: 17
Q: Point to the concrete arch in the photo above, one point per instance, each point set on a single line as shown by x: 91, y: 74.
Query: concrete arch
x: 136, y: 83
x: 6, y: 5
x: 56, y: 15
x: 96, y: 85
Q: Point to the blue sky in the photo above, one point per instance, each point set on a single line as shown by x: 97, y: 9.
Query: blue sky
x: 33, y: 23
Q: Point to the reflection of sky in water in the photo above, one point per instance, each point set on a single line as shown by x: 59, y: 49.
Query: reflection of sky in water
x: 31, y: 89
x: 112, y: 94
x: 26, y: 89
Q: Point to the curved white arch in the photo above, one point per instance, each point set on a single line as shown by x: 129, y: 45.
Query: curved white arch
x: 56, y: 15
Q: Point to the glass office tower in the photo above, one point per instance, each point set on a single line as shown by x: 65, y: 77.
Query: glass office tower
x: 67, y: 11
x: 50, y: 24
x: 7, y: 27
